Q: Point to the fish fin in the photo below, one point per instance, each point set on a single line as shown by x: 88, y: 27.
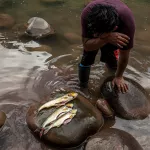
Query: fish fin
x: 69, y: 106
x: 67, y: 121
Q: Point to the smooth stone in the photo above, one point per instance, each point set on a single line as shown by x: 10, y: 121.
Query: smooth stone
x: 6, y: 21
x: 2, y: 118
x: 112, y: 139
x: 87, y: 122
x: 131, y: 105
x: 38, y: 28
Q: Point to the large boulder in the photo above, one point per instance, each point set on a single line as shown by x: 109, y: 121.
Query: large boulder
x: 87, y: 122
x: 132, y: 105
x: 38, y: 28
x: 112, y: 139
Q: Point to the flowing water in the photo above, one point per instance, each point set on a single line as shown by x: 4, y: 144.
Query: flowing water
x: 28, y: 75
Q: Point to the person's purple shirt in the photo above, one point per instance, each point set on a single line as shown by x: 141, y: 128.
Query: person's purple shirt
x: 127, y: 26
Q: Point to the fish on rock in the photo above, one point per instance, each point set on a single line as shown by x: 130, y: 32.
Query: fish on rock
x: 59, y: 101
x: 63, y: 120
x: 57, y: 114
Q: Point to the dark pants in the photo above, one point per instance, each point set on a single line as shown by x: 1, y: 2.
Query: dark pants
x: 109, y: 55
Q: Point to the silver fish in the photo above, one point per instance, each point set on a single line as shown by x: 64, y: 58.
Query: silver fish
x: 65, y: 119
x: 59, y: 101
x: 58, y: 113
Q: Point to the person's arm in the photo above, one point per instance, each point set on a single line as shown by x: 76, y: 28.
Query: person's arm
x: 93, y: 44
x: 122, y: 62
x: 115, y: 38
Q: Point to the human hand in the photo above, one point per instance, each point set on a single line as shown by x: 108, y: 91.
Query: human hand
x: 120, y: 83
x: 117, y: 39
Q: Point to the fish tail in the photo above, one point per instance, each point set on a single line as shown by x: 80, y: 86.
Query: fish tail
x: 41, y: 132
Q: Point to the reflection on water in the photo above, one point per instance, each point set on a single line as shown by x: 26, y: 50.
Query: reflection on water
x: 30, y: 74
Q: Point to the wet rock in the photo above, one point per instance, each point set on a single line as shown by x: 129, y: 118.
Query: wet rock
x: 112, y: 139
x: 2, y: 118
x: 132, y: 105
x: 72, y: 37
x: 87, y: 122
x: 6, y: 21
x: 38, y: 28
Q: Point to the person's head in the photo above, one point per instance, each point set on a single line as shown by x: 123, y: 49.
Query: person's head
x: 102, y: 19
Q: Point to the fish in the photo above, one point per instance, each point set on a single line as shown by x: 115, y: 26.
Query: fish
x: 65, y: 119
x: 58, y: 113
x: 59, y: 101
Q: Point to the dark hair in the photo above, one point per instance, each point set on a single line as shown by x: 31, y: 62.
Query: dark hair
x: 102, y: 19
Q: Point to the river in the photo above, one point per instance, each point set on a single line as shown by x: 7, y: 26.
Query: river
x: 27, y: 75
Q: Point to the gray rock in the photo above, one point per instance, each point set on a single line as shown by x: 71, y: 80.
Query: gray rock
x: 132, y: 105
x: 112, y: 139
x: 38, y: 28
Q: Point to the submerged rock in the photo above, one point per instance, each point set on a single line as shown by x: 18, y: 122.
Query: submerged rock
x: 132, y: 105
x: 112, y: 139
x: 87, y: 122
x: 6, y: 21
x: 2, y: 118
x: 38, y: 28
